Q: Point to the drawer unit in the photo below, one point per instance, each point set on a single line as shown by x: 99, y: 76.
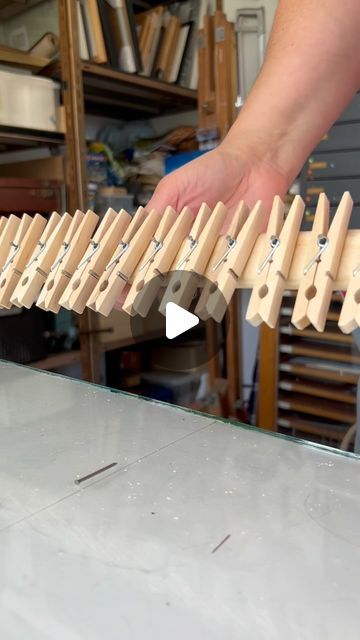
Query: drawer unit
x: 339, y: 164
x: 341, y: 137
x: 353, y: 110
x: 334, y: 190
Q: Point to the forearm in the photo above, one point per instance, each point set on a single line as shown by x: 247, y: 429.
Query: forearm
x: 311, y: 71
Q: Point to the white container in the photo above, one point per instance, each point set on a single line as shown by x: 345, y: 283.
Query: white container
x: 28, y: 101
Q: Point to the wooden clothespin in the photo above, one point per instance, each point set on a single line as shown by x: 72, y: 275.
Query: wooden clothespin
x: 68, y: 258
x: 145, y: 286
x: 37, y: 269
x: 321, y: 265
x: 123, y: 264
x: 26, y: 238
x: 224, y: 246
x: 349, y: 318
x: 227, y: 267
x: 92, y: 265
x: 7, y: 237
x: 278, y: 249
x: 3, y: 221
x: 186, y: 277
x: 311, y: 255
x: 121, y: 247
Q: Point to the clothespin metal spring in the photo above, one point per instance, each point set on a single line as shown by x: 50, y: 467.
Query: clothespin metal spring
x: 323, y: 243
x: 231, y: 243
x: 157, y: 246
x: 16, y: 248
x: 123, y: 247
x: 193, y: 244
x: 66, y: 246
x: 41, y: 246
x: 86, y: 260
x: 274, y: 244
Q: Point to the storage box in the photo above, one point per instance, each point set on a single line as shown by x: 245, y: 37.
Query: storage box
x: 182, y: 386
x: 28, y: 101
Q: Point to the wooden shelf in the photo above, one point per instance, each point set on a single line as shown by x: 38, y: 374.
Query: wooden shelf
x: 313, y: 350
x: 320, y: 407
x: 57, y: 360
x: 117, y: 94
x: 318, y: 390
x: 319, y: 373
x: 127, y: 342
x: 108, y: 90
x: 326, y: 336
x: 19, y: 138
x: 312, y: 428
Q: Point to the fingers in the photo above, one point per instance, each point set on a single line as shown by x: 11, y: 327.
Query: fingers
x: 164, y: 195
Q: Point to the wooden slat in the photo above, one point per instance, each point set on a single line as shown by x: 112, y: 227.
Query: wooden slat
x: 319, y: 407
x: 312, y: 428
x: 328, y: 336
x: 314, y: 351
x: 319, y: 373
x: 333, y: 392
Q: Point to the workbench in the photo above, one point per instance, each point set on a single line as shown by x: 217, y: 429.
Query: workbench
x: 203, y: 530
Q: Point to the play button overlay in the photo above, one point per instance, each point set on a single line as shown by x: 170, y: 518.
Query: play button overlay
x: 178, y: 320
x: 170, y: 309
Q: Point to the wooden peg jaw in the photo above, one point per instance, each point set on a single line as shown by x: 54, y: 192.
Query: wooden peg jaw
x: 145, y: 288
x: 3, y: 221
x: 309, y: 263
x: 7, y: 237
x: 70, y: 254
x: 182, y: 286
x: 219, y: 294
x: 189, y: 243
x: 26, y: 239
x: 272, y: 294
x: 37, y: 269
x: 119, y: 249
x: 116, y: 278
x: 92, y: 265
x: 327, y: 269
x: 262, y: 268
x: 217, y: 264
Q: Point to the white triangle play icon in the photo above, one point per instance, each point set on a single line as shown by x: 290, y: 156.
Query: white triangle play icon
x: 178, y: 320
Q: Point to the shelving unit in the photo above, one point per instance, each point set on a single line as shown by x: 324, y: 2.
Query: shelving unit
x: 315, y: 376
x: 16, y: 138
x: 90, y: 88
x: 307, y: 379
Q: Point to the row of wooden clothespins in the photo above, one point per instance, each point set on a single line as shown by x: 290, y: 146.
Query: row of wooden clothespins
x: 78, y: 261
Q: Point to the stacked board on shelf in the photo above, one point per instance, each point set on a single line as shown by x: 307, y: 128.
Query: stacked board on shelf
x: 159, y: 42
x: 318, y: 375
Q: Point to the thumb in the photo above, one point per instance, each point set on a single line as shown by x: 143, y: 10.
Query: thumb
x: 166, y: 194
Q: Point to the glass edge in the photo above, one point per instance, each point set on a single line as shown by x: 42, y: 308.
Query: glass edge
x: 229, y: 421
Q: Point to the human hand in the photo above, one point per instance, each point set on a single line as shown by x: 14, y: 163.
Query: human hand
x: 225, y: 174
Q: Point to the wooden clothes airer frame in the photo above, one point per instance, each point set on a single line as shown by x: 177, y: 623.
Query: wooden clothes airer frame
x: 80, y: 261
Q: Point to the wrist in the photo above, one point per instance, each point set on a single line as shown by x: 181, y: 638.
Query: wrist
x: 265, y: 145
